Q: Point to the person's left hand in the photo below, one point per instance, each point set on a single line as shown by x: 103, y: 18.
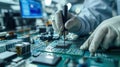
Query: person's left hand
x: 105, y: 35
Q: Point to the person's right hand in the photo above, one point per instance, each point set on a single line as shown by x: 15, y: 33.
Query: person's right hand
x: 106, y: 35
x: 72, y: 24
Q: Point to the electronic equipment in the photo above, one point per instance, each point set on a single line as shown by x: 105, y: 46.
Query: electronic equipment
x: 7, y: 56
x: 23, y: 48
x: 47, y: 59
x: 31, y: 8
x: 7, y: 45
x: 16, y: 60
x: 52, y: 53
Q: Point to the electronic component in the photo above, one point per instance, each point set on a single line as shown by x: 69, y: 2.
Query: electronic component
x: 19, y: 64
x: 25, y: 38
x: 7, y: 56
x: 47, y: 59
x: 42, y: 29
x: 71, y: 49
x: 2, y: 35
x: 7, y: 35
x: 20, y: 49
x: 23, y: 48
x: 11, y: 43
x: 7, y: 45
x: 18, y: 59
x: 2, y: 48
x: 27, y: 47
x: 62, y: 45
x: 46, y: 37
x: 11, y: 35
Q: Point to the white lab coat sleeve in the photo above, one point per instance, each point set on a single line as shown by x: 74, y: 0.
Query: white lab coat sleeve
x: 92, y: 14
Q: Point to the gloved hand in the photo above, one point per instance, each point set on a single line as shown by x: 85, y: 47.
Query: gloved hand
x: 72, y: 24
x: 107, y: 34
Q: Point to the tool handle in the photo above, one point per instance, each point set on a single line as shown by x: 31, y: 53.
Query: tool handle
x: 65, y: 15
x: 65, y: 12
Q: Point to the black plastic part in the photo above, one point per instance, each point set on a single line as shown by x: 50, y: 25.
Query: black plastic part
x: 64, y: 16
x: 61, y: 45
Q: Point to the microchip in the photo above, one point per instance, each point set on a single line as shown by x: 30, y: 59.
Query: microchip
x: 47, y: 59
x: 62, y: 45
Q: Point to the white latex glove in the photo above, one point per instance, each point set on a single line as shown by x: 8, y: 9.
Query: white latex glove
x: 105, y: 35
x: 72, y: 36
x: 72, y: 25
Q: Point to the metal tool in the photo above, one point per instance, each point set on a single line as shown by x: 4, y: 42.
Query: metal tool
x: 64, y: 17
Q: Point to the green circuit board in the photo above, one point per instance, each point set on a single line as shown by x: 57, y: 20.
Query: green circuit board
x: 71, y: 52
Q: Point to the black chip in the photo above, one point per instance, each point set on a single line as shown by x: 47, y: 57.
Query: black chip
x: 61, y: 45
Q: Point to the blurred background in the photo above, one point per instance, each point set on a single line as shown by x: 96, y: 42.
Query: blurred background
x: 12, y: 17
